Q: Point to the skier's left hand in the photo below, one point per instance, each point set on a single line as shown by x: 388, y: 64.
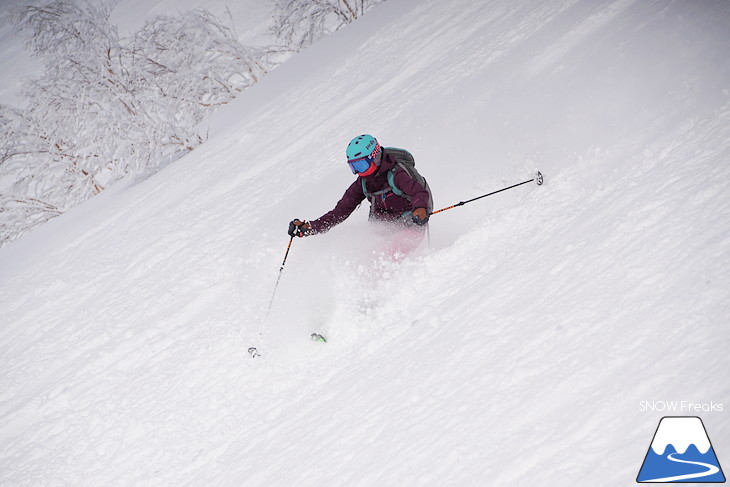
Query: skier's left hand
x: 299, y: 228
x: 420, y: 216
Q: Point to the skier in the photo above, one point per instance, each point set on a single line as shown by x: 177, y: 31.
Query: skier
x: 399, y: 196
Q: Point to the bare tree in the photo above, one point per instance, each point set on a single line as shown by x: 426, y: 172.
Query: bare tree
x: 106, y: 108
x: 193, y: 62
x: 298, y: 23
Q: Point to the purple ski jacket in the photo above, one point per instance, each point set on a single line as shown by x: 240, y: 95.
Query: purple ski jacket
x: 386, y: 207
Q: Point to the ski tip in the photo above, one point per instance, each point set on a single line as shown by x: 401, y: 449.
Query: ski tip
x: 539, y: 178
x: 316, y: 337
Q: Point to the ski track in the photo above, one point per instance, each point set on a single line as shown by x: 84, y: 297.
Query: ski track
x: 532, y: 327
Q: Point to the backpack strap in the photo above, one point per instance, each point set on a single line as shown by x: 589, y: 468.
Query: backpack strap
x: 391, y: 183
x: 371, y: 196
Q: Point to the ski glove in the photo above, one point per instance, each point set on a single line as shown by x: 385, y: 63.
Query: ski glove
x: 299, y: 228
x: 420, y: 216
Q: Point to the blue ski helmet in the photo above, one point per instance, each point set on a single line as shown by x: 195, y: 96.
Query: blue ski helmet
x: 363, y: 155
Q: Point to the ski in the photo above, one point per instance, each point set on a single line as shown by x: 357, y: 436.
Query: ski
x: 316, y: 337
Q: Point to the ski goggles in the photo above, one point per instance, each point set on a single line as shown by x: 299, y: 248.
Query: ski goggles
x: 365, y: 165
x: 359, y: 166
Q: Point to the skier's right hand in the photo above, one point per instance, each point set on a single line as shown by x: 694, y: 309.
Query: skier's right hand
x: 299, y: 228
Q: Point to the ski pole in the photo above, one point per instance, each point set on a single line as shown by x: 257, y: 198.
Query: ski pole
x: 281, y: 270
x: 538, y: 179
x: 253, y: 351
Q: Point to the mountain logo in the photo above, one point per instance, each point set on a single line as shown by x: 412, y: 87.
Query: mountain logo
x: 680, y: 452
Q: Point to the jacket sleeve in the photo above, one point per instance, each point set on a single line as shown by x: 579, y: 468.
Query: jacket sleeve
x: 419, y: 195
x: 348, y: 203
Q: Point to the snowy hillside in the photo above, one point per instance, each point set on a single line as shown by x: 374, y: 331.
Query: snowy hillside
x: 514, y: 351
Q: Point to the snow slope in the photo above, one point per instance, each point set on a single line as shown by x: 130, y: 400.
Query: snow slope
x: 514, y: 351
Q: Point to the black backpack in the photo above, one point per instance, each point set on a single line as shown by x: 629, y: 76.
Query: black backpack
x: 405, y: 161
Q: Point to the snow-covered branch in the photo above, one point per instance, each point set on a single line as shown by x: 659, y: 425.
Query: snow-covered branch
x: 108, y: 107
x: 298, y: 23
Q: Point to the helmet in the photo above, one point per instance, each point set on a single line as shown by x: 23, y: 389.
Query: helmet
x: 363, y: 155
